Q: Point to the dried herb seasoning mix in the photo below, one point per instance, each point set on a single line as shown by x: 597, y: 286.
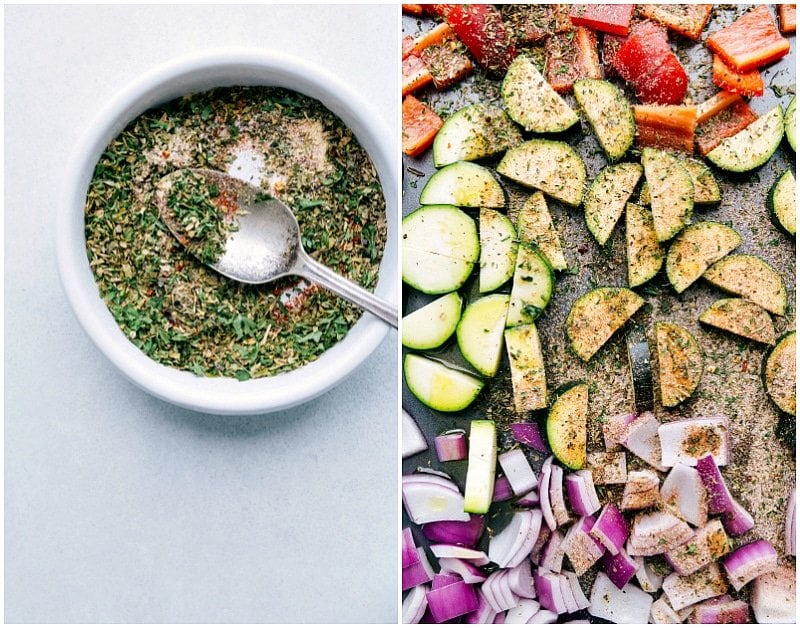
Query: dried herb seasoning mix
x: 181, y: 313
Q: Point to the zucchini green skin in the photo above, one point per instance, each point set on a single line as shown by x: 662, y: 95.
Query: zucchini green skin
x: 782, y: 203
x: 440, y: 247
x: 596, y: 315
x: 474, y: 132
x: 463, y: 184
x: 751, y: 147
x: 706, y: 188
x: 530, y: 100
x: 750, y: 277
x: 606, y: 197
x: 431, y: 325
x: 552, y: 166
x: 680, y: 363
x: 532, y: 286
x: 741, y: 317
x: 526, y: 360
x: 696, y: 248
x: 480, y: 332
x: 778, y: 373
x: 641, y: 368
x: 610, y: 114
x: 535, y: 226
x: 481, y: 467
x: 438, y: 386
x: 566, y: 424
x: 498, y: 240
x: 790, y: 123
x: 644, y: 253
x: 671, y: 192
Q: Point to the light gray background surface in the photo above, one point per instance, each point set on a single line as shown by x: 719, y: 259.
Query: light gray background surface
x: 122, y: 508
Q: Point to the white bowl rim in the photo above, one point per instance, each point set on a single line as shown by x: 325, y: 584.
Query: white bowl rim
x: 192, y: 73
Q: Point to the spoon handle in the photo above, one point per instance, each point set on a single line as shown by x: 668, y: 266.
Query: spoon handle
x: 311, y: 269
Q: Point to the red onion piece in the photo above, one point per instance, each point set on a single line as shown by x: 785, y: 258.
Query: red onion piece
x: 719, y: 497
x: 464, y: 533
x: 577, y: 591
x: 687, y: 440
x: 552, y: 557
x: 557, y: 496
x: 544, y: 494
x: 420, y: 572
x: 581, y: 493
x: 641, y: 490
x: 774, y: 596
x: 520, y: 580
x: 536, y: 552
x: 476, y: 557
x: 749, y: 561
x: 498, y: 592
x: 525, y: 549
x: 629, y: 605
x: 683, y: 488
x: 522, y: 612
x: 641, y: 438
x: 649, y: 580
x: 683, y: 591
x: 720, y: 611
x: 415, y: 604
x: 529, y: 434
x: 451, y: 601
x: 484, y: 614
x: 502, y: 489
x: 528, y: 500
x: 518, y: 470
x: 544, y: 616
x: 709, y: 543
x: 548, y: 591
x: 431, y: 498
x: 468, y: 572
x: 514, y: 543
x: 620, y: 568
x: 657, y: 532
x: 738, y: 520
x: 412, y: 439
x: 451, y: 445
x: 581, y: 548
x: 409, y: 553
x: 607, y: 467
x: 570, y: 602
x: 614, y: 428
x: 443, y: 579
x: 791, y: 525
x: 611, y: 529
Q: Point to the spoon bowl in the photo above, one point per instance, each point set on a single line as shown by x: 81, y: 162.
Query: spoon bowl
x: 260, y: 239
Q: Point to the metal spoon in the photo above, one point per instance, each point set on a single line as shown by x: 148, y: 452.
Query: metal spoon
x: 266, y: 245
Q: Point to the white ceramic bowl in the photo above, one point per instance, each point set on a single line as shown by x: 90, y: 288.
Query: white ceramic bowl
x: 223, y: 68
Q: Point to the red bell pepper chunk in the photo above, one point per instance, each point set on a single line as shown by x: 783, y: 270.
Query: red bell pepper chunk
x: 645, y: 49
x: 432, y: 37
x: 724, y: 124
x: 482, y: 30
x: 413, y: 9
x: 744, y: 83
x: 688, y: 20
x: 608, y: 18
x: 665, y: 84
x: 571, y: 56
x: 534, y: 23
x: 665, y: 127
x: 750, y: 42
x: 420, y: 126
x: 712, y: 106
x: 787, y: 19
x: 415, y: 74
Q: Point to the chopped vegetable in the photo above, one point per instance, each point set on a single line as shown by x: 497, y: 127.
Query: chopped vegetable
x: 629, y: 605
x: 429, y: 498
x: 752, y: 41
x: 595, y: 316
x: 535, y: 226
x: 695, y: 249
x: 787, y: 18
x: 706, y: 583
x: 544, y: 493
x: 741, y: 317
x: 465, y: 184
x: 749, y: 561
x: 413, y: 9
x: 531, y: 287
x: 745, y: 83
x: 666, y: 127
x: 464, y: 533
x: 671, y: 192
x: 643, y: 250
x: 778, y: 373
x: 688, y: 20
x: 606, y: 197
x: 774, y: 596
x: 571, y: 56
x: 415, y: 74
x: 566, y: 425
x: 481, y: 465
x: 451, y: 445
x: 552, y: 557
x: 413, y: 440
x: 551, y: 166
x: 418, y: 573
x: 481, y: 28
x: 528, y: 434
x: 687, y: 440
x: 431, y: 325
x: 581, y: 493
x: 790, y: 529
x: 420, y: 126
x: 609, y: 113
x: 451, y: 601
x: 680, y: 363
x: 513, y: 544
x: 720, y: 611
x: 619, y: 567
x: 480, y: 332
x: 531, y: 101
x: 498, y: 249
x: 615, y: 428
x: 750, y: 277
x: 447, y: 62
x: 683, y: 489
x: 474, y: 132
x: 641, y: 490
x: 782, y: 203
x: 641, y: 438
x: 518, y: 471
x: 607, y: 467
x: 641, y: 369
x: 709, y: 543
x: 608, y: 18
x: 611, y: 529
x: 716, y: 103
x: 440, y: 246
x: 557, y: 502
x: 438, y: 386
x: 730, y: 120
x: 434, y: 36
x: 467, y: 571
x: 752, y: 146
x: 789, y: 123
x: 582, y: 549
x: 415, y: 603
x: 528, y: 379
x: 534, y: 23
